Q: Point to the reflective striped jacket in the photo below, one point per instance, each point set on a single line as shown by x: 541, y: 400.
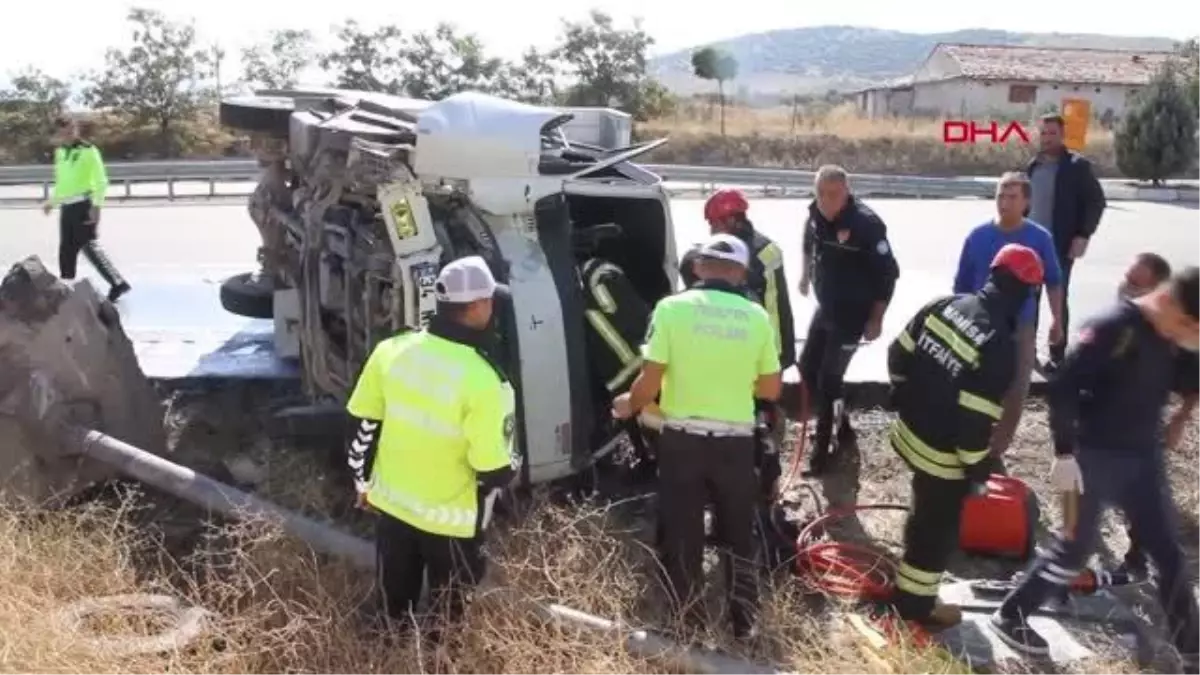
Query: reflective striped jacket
x: 950, y: 368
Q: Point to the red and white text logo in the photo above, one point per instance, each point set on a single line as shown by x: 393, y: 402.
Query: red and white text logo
x: 983, y: 132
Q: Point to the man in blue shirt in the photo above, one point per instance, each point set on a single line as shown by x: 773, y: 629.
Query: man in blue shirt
x: 974, y: 264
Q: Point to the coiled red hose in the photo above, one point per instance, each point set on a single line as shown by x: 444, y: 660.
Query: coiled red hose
x: 842, y: 569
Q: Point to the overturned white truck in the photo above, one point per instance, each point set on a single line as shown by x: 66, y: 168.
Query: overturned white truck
x: 365, y: 196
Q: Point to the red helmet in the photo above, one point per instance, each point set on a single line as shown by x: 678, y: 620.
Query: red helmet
x: 725, y: 203
x: 1022, y: 261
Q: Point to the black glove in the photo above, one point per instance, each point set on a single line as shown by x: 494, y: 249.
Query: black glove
x: 977, y: 476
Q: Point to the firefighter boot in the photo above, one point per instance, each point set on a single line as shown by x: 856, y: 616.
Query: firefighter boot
x: 821, y: 455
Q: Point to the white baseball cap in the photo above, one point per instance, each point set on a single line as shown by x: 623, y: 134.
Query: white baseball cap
x: 726, y: 247
x: 467, y: 280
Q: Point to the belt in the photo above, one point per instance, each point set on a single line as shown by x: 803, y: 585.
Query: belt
x: 713, y: 428
x: 67, y: 201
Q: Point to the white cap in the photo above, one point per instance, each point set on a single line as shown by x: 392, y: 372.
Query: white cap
x: 726, y: 247
x: 467, y: 280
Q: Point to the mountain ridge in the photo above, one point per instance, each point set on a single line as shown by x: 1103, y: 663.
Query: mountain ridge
x: 816, y: 59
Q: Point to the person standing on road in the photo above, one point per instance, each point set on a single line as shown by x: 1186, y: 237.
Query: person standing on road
x: 433, y: 447
x: 80, y: 184
x: 1068, y: 200
x: 711, y: 352
x: 848, y: 262
x: 1010, y: 226
x: 949, y: 368
x: 1106, y: 405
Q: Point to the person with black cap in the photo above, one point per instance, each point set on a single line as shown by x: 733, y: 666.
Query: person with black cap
x: 433, y: 445
x: 711, y: 352
x: 950, y: 368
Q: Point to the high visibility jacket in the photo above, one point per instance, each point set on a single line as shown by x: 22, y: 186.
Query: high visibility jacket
x: 617, y: 317
x: 446, y: 417
x: 950, y: 368
x: 767, y: 284
x: 79, y: 173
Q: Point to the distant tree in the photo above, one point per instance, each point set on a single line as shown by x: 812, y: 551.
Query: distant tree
x: 1157, y: 138
x: 28, y: 109
x: 278, y: 62
x: 217, y: 59
x: 155, y: 80
x: 608, y: 64
x: 710, y: 63
x: 367, y: 60
x: 1190, y: 69
x: 531, y: 79
x: 443, y: 63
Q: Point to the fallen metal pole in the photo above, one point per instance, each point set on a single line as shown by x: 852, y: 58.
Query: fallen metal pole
x: 219, y: 497
x: 224, y: 499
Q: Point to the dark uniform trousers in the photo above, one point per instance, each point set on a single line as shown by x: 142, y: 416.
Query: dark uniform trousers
x: 1136, y: 484
x: 930, y: 539
x: 695, y: 469
x: 404, y: 555
x: 828, y: 350
x: 76, y: 233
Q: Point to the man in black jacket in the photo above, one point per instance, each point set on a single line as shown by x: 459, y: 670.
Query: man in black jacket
x: 1068, y: 200
x: 848, y: 262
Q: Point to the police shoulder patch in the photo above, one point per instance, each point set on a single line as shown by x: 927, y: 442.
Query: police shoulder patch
x: 882, y: 248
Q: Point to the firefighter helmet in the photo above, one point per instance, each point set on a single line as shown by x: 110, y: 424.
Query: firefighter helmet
x: 1022, y: 262
x: 725, y: 203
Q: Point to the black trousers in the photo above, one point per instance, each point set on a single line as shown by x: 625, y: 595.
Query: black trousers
x: 1065, y: 263
x: 404, y: 554
x: 930, y: 539
x: 1136, y: 484
x: 828, y: 349
x: 695, y: 470
x: 77, y: 233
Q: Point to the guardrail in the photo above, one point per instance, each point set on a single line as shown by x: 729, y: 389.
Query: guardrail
x: 772, y: 182
x: 789, y: 181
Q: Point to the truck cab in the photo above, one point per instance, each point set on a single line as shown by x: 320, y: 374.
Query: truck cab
x: 365, y: 196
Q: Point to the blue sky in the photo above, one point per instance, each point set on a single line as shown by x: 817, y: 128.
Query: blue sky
x: 70, y: 35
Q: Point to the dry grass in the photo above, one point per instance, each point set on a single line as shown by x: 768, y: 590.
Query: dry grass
x: 838, y: 134
x: 277, y: 607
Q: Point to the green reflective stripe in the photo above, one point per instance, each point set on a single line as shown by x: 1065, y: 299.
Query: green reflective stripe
x: 769, y: 257
x: 917, y: 582
x: 979, y: 404
x: 897, y: 378
x: 919, y: 462
x: 946, y: 459
x: 627, y: 372
x: 600, y: 291
x: 952, y: 339
x: 972, y: 457
x: 614, y: 340
x: 906, y: 340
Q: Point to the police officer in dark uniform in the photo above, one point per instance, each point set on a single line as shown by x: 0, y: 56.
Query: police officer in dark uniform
x: 950, y: 368
x: 1106, y: 410
x: 848, y: 261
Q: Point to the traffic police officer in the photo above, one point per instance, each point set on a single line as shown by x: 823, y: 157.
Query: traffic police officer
x: 80, y: 184
x: 949, y: 368
x: 710, y: 351
x: 848, y: 261
x: 767, y: 284
x: 1106, y: 405
x: 433, y: 447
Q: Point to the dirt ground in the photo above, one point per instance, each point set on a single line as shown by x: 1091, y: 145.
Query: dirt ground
x: 221, y: 431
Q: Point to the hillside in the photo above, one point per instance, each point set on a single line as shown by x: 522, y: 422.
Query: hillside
x: 800, y: 60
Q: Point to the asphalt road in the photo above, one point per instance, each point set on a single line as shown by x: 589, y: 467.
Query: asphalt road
x: 177, y: 254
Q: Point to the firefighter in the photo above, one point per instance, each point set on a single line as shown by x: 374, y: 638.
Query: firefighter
x: 433, y: 445
x: 1106, y: 408
x: 949, y: 369
x: 617, y: 317
x: 710, y: 351
x: 848, y: 262
x: 767, y: 284
x: 80, y: 184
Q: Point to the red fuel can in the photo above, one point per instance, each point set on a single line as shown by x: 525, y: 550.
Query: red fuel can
x: 1002, y: 521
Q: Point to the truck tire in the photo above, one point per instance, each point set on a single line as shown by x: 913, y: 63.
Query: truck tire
x: 248, y: 295
x: 263, y: 114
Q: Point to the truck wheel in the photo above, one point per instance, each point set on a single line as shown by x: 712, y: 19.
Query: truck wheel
x: 263, y: 114
x: 249, y: 295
